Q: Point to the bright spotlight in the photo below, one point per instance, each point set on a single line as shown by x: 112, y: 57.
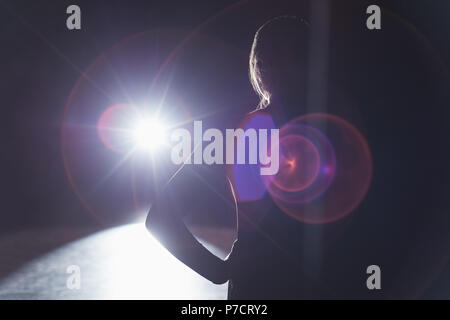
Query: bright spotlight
x: 149, y: 134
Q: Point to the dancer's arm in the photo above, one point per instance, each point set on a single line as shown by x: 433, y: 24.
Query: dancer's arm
x: 165, y: 220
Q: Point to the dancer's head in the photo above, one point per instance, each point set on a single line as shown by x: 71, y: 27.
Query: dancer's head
x: 278, y: 60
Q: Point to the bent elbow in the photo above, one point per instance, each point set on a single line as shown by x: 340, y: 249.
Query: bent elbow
x: 148, y: 221
x: 152, y: 223
x: 158, y: 225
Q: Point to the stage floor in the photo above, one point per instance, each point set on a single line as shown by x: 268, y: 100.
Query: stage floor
x: 120, y: 263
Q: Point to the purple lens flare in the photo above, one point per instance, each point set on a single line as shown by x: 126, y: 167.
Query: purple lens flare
x: 324, y: 174
x: 341, y: 174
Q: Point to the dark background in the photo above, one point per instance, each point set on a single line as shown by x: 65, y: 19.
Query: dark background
x: 392, y: 83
